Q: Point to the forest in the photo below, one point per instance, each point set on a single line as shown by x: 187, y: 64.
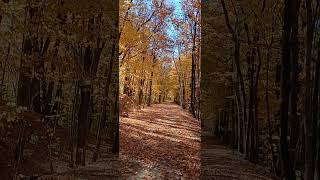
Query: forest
x: 159, y: 89
x: 58, y: 62
x: 260, y: 82
x: 159, y: 83
x: 159, y: 54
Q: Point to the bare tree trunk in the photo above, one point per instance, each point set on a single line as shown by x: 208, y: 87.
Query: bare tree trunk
x: 255, y: 133
x: 315, y: 112
x: 317, y: 121
x: 293, y: 118
x: 250, y: 60
x: 103, y: 119
x: 115, y: 144
x: 73, y: 122
x: 151, y: 79
x: 290, y: 7
x: 142, y: 80
x: 308, y: 123
x: 193, y: 73
x: 85, y: 95
x: 239, y: 126
x: 4, y: 73
x: 268, y: 110
x: 150, y: 90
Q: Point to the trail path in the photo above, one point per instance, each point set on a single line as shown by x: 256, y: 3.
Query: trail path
x: 160, y: 142
x: 163, y: 142
x: 221, y: 163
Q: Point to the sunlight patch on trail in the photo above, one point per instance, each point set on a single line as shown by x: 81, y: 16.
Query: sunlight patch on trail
x: 165, y: 142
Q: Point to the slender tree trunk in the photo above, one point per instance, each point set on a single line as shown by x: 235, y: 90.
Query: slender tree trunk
x: 315, y: 112
x: 4, y: 73
x: 251, y: 104
x: 151, y: 79
x: 116, y: 146
x: 73, y: 121
x: 150, y: 90
x: 142, y: 80
x: 290, y: 7
x: 268, y: 110
x: 294, y: 121
x: 239, y: 126
x: 85, y: 95
x: 23, y: 94
x: 193, y: 73
x: 103, y: 119
x: 317, y: 119
x: 255, y: 133
x: 308, y: 124
x: 238, y: 68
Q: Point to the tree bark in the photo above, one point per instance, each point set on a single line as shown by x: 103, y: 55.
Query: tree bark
x: 151, y: 80
x: 289, y: 8
x: 103, y: 119
x: 308, y: 123
x: 193, y: 73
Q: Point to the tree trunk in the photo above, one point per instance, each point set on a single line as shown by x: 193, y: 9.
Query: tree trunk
x: 116, y: 145
x: 294, y: 121
x: 151, y: 79
x: 142, y: 80
x: 238, y: 68
x: 308, y: 123
x: 316, y: 115
x: 193, y: 73
x: 316, y: 119
x: 85, y: 96
x: 290, y: 7
x: 4, y: 73
x: 103, y: 119
x: 268, y: 110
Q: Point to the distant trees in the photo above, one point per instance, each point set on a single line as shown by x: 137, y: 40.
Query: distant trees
x: 144, y: 53
x: 188, y: 46
x: 160, y: 54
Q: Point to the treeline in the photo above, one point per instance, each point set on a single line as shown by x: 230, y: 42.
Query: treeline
x: 187, y: 45
x: 260, y: 82
x: 159, y: 54
x: 59, y: 71
x: 144, y: 53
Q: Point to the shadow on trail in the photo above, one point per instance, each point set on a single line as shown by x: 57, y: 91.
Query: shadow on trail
x: 164, y: 139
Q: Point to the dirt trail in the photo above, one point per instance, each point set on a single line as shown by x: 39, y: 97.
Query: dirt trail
x: 221, y: 163
x: 160, y: 142
x: 163, y: 142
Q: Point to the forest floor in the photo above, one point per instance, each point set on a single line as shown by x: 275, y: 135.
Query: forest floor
x: 160, y: 142
x: 222, y: 163
x: 41, y: 164
x: 157, y: 142
x: 163, y: 142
